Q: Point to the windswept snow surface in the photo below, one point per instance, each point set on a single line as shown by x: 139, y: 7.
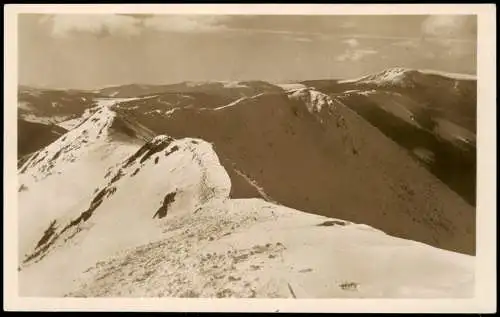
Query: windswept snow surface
x: 160, y: 223
x: 251, y: 248
x: 133, y: 195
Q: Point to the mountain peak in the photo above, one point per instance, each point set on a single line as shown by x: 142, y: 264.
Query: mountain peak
x: 314, y: 100
x: 195, y: 177
x: 407, y: 78
x: 98, y: 126
x: 393, y: 76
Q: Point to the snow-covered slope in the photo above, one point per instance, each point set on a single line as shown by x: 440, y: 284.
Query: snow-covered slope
x: 69, y: 169
x: 160, y: 223
x: 70, y: 124
x: 251, y: 248
x: 95, y: 128
x: 163, y: 174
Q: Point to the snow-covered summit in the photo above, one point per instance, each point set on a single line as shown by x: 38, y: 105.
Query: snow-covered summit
x: 405, y: 77
x: 56, y: 177
x: 314, y: 100
x: 68, y: 147
x: 162, y: 176
x: 97, y: 126
x: 391, y: 76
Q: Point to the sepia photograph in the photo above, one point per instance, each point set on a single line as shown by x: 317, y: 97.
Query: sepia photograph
x: 163, y: 154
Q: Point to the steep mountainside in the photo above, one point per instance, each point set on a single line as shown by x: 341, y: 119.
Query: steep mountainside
x: 446, y: 149
x: 32, y: 136
x: 160, y: 223
x: 432, y: 115
x: 306, y: 151
x: 447, y: 97
x: 451, y: 98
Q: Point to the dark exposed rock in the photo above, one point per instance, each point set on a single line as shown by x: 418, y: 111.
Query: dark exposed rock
x: 330, y: 223
x: 172, y: 150
x: 162, y: 211
x: 149, y: 149
x: 47, y: 234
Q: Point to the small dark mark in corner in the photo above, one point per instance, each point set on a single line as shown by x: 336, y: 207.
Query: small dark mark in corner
x: 291, y: 290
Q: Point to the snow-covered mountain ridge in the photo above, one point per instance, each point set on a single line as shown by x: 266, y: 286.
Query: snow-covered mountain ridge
x: 407, y: 78
x: 137, y: 215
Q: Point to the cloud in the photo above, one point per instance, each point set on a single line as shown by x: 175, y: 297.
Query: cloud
x: 456, y: 49
x: 300, y: 39
x: 407, y: 43
x: 351, y: 42
x: 438, y: 28
x: 185, y: 23
x: 449, y: 26
x: 63, y: 25
x: 435, y: 48
x: 355, y: 55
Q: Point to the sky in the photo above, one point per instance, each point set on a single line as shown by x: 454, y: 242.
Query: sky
x: 77, y: 51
